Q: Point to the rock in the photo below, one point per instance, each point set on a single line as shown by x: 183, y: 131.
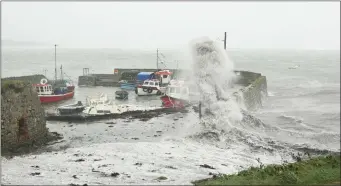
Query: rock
x: 74, y: 176
x: 110, y: 122
x: 114, y: 174
x: 110, y: 126
x: 35, y: 173
x: 135, y: 138
x: 79, y: 160
x: 207, y: 166
x: 162, y: 178
x: 170, y: 167
x: 139, y: 164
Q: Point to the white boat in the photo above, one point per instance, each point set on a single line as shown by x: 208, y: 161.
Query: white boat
x: 149, y: 87
x: 102, y: 99
x: 177, y: 95
x: 103, y: 106
x: 294, y: 67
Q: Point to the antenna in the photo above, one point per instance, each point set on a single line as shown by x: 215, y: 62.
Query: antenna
x: 55, y: 62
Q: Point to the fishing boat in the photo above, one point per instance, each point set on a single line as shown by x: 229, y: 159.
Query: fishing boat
x: 176, y: 95
x: 47, y: 94
x: 55, y: 91
x: 154, y: 83
x: 71, y: 109
x: 149, y: 87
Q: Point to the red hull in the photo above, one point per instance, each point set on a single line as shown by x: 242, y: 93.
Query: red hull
x: 56, y: 98
x: 169, y: 102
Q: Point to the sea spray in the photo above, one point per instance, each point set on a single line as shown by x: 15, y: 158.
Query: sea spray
x: 214, y: 76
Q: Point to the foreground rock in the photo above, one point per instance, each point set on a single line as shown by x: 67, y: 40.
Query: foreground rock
x: 23, y: 124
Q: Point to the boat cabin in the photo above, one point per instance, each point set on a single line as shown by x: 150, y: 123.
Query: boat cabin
x: 43, y: 89
x: 164, y: 76
x: 151, y: 83
x: 177, y: 89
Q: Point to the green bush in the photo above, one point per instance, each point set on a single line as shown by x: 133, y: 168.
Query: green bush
x: 318, y: 170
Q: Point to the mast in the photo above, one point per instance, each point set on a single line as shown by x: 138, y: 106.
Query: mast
x: 157, y: 59
x: 55, y: 62
x: 61, y: 72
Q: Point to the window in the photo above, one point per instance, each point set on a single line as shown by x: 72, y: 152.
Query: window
x: 151, y: 83
x: 178, y: 90
x: 37, y: 88
x: 156, y: 84
x: 41, y: 89
x: 145, y: 83
x: 165, y: 76
x: 184, y: 91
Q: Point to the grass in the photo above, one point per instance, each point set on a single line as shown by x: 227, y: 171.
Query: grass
x: 320, y: 170
x: 15, y: 85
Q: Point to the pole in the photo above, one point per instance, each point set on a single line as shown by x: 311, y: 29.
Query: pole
x: 225, y: 41
x: 157, y: 59
x: 55, y: 62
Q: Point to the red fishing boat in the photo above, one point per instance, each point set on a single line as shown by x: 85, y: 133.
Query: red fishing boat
x: 60, y: 90
x: 176, y: 95
x: 48, y: 94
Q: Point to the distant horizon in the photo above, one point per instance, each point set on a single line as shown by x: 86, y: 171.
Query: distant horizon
x: 7, y: 43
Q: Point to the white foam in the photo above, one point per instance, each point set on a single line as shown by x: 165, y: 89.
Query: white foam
x: 213, y: 74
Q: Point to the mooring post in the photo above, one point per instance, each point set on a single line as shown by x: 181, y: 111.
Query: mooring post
x: 199, y: 109
x: 225, y: 41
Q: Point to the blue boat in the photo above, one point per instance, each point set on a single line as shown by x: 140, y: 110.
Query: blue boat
x: 128, y: 80
x: 127, y: 86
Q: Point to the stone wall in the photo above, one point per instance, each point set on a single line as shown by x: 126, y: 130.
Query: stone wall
x: 255, y: 89
x: 22, y: 116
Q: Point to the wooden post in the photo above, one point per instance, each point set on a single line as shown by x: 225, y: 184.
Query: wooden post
x: 225, y: 41
x: 199, y: 109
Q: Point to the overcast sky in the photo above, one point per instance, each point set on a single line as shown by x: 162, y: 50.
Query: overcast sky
x: 290, y: 25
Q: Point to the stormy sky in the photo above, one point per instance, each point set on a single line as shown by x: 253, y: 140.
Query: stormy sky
x: 249, y: 25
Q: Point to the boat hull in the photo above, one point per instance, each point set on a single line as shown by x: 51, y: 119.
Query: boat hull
x: 142, y: 91
x: 56, y: 98
x: 170, y: 102
x: 76, y: 110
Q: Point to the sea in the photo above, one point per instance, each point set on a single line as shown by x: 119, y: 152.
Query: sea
x: 300, y: 114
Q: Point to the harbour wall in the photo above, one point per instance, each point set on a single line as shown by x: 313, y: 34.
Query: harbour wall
x: 253, y: 91
x: 23, y: 123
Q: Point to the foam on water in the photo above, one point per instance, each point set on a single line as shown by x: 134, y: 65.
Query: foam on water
x: 214, y: 76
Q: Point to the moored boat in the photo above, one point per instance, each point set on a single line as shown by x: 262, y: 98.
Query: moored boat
x: 103, y: 106
x: 47, y: 94
x: 71, y: 109
x: 176, y: 95
x: 121, y: 94
x: 149, y: 87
